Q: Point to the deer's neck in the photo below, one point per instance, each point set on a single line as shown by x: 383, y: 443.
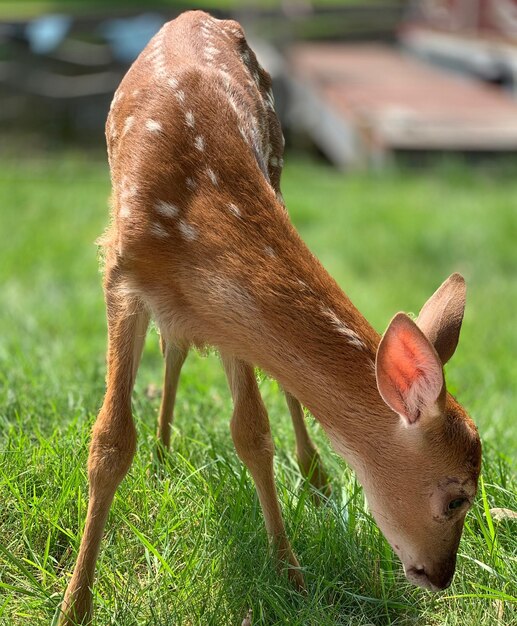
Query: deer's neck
x: 305, y: 332
x: 325, y: 356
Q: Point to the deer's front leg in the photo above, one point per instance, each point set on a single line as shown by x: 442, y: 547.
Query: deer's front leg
x: 252, y: 438
x: 309, y: 458
x: 112, y: 447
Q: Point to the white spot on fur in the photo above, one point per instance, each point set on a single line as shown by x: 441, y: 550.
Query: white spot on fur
x: 180, y: 95
x: 273, y: 161
x: 244, y: 134
x: 173, y: 82
x: 233, y: 208
x: 153, y: 126
x: 233, y: 104
x: 211, y: 175
x: 167, y: 209
x: 210, y: 51
x: 199, y: 142
x: 188, y: 231
x: 189, y: 118
x: 161, y: 70
x: 127, y: 124
x: 227, y: 78
x: 127, y: 192
x: 111, y: 131
x: 352, y: 337
x: 158, y: 59
x: 207, y: 32
x: 127, y: 189
x: 191, y: 183
x: 269, y: 251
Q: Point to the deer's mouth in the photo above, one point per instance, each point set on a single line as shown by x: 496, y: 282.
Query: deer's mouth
x: 430, y: 580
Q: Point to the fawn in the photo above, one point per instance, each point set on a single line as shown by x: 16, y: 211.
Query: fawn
x: 200, y: 240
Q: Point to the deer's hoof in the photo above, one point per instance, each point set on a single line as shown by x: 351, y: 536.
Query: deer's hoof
x: 297, y: 580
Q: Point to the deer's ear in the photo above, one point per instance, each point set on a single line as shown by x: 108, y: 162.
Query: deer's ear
x: 441, y: 316
x: 409, y: 372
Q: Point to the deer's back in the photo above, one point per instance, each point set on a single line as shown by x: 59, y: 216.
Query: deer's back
x: 194, y: 114
x: 195, y: 151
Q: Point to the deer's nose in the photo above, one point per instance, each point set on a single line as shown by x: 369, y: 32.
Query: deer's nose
x: 434, y: 581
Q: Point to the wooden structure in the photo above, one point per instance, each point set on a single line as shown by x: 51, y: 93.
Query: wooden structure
x: 477, y: 36
x: 359, y: 102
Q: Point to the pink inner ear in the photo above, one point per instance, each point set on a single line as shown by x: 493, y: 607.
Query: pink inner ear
x: 409, y: 373
x: 403, y: 365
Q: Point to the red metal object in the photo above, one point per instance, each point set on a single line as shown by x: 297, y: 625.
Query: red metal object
x: 388, y: 100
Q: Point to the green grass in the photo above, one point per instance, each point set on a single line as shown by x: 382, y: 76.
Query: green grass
x: 189, y: 547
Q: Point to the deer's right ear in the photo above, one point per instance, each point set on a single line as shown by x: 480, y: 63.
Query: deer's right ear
x: 409, y: 372
x: 441, y: 316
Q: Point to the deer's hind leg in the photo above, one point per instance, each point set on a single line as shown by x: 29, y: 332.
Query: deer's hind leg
x: 254, y: 445
x: 308, y: 456
x: 113, y: 441
x: 174, y: 358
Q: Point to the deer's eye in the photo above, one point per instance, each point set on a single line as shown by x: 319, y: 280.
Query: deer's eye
x: 456, y: 503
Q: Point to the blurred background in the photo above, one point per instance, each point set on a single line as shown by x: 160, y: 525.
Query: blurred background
x: 356, y: 81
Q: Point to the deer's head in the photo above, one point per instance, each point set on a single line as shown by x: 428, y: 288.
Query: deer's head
x: 421, y: 493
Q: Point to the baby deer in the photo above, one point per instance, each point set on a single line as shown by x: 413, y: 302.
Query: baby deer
x: 200, y: 240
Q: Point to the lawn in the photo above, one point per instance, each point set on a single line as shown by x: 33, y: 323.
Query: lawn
x: 187, y: 546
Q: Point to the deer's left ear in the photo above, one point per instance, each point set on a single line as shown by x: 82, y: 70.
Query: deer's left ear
x: 409, y: 371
